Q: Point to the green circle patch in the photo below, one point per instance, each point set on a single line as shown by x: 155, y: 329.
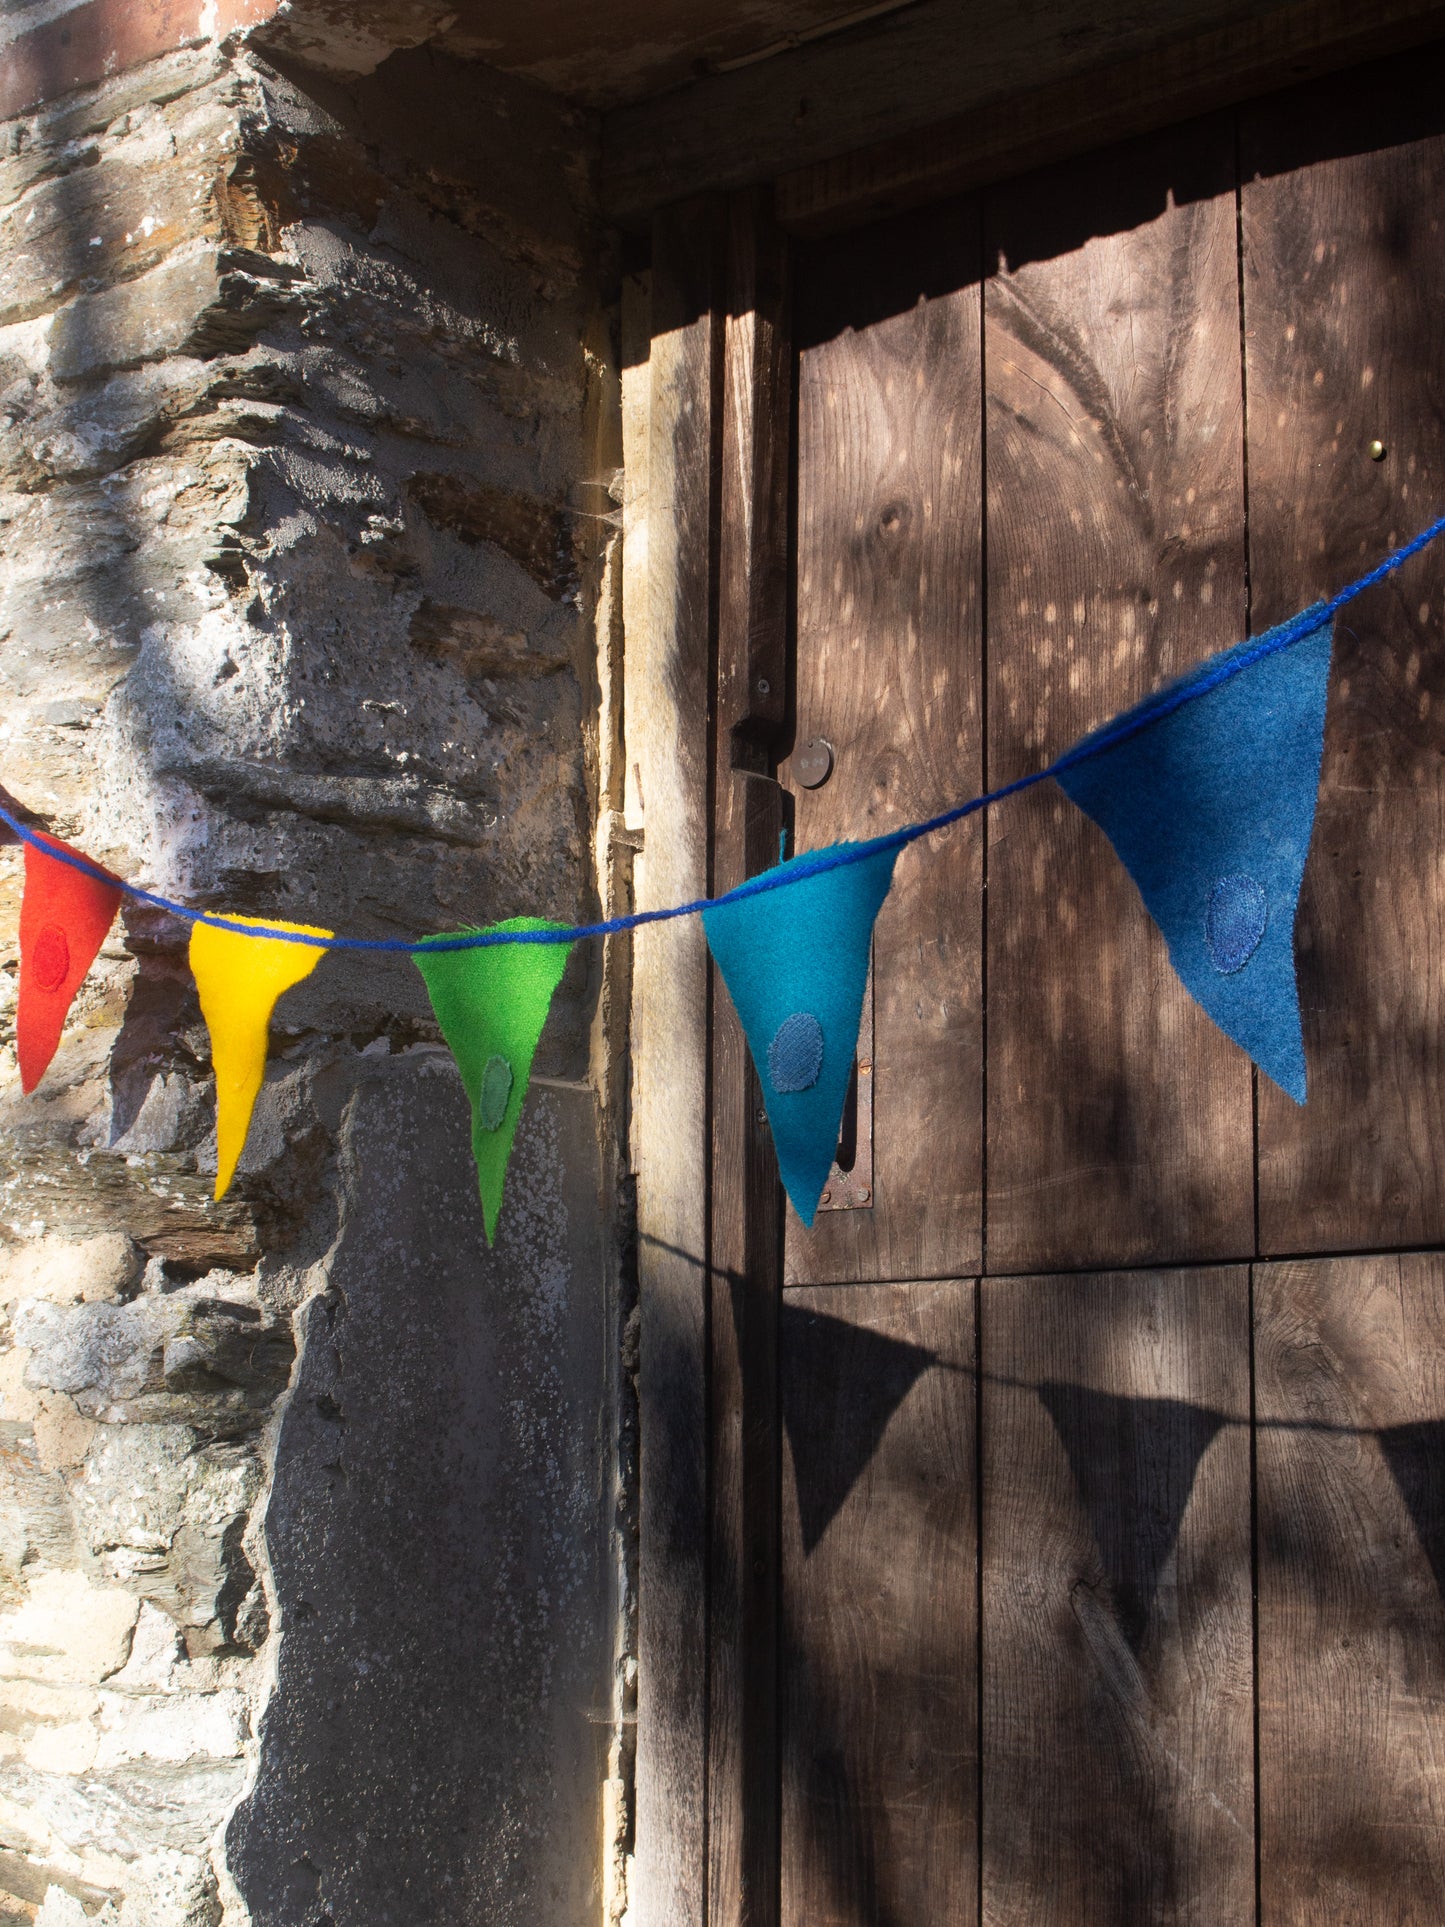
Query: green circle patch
x: 496, y: 1090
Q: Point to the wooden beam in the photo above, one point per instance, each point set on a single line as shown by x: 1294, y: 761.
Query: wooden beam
x: 745, y: 1279
x: 668, y: 684
x: 1238, y: 61
x: 946, y: 96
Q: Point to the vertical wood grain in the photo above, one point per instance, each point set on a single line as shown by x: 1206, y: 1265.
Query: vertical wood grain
x: 668, y: 694
x: 1351, y: 1453
x: 880, y: 1623
x: 745, y: 1270
x: 1117, y: 1719
x: 1344, y: 258
x: 888, y: 671
x: 1120, y: 1125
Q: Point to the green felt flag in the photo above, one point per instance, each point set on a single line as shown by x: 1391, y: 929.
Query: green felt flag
x: 491, y: 1005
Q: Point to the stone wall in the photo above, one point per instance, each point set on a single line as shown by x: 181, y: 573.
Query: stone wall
x: 308, y: 1593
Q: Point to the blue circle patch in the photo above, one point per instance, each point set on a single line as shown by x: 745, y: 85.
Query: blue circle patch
x: 795, y: 1056
x: 1234, y: 923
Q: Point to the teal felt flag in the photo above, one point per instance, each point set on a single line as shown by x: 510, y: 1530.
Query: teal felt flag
x: 795, y: 962
x: 1210, y: 806
x: 491, y: 1004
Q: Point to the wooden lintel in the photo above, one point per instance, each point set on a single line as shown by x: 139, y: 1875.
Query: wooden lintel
x: 943, y: 97
x: 1237, y: 62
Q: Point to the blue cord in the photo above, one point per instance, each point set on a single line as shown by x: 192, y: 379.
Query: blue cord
x: 1307, y: 623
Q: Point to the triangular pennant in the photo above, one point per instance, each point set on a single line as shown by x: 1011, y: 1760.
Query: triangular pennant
x: 795, y: 961
x: 841, y: 1385
x: 64, y: 917
x: 239, y: 979
x: 491, y: 1004
x: 1210, y: 807
x: 1134, y: 1462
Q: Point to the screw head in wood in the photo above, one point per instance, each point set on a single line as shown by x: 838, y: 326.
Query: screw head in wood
x: 865, y: 1066
x: 1378, y: 451
x: 827, y: 1197
x: 865, y: 1196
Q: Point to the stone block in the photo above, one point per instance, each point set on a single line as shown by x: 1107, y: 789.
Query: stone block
x: 37, y: 1528
x: 62, y: 1909
x: 444, y: 1417
x: 67, y: 1630
x: 156, y: 1651
x: 194, y: 303
x: 178, y: 1729
x: 68, y: 1272
x: 171, y: 1890
x: 206, y: 1355
x: 62, y: 1435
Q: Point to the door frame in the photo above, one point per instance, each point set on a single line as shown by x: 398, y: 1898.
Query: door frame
x: 707, y: 709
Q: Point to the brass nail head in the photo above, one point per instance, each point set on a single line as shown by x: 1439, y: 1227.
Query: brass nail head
x: 865, y: 1066
x: 827, y: 1197
x: 1378, y: 451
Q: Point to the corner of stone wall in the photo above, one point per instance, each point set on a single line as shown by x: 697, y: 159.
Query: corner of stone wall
x: 311, y: 1576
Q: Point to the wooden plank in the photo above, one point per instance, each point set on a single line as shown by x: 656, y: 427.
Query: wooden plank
x: 880, y: 1756
x: 1344, y: 283
x: 1119, y: 1119
x: 1048, y: 117
x: 1117, y: 1654
x: 889, y: 672
x: 1351, y: 1469
x: 745, y: 1272
x: 667, y: 694
x: 945, y: 95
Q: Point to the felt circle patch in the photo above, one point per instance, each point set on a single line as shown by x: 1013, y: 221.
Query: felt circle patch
x: 496, y: 1090
x: 795, y: 1056
x: 1234, y: 922
x: 50, y: 959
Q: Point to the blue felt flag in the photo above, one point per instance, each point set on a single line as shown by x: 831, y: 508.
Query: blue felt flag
x: 795, y: 962
x: 1210, y: 806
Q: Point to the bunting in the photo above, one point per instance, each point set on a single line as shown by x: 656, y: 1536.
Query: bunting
x: 794, y: 957
x: 239, y: 978
x: 1206, y: 790
x: 491, y: 1005
x: 1208, y: 796
x: 65, y: 915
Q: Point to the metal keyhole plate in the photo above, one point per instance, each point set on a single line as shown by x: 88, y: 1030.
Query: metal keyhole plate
x: 813, y: 764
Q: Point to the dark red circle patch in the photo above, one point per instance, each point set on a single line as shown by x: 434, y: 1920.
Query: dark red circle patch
x: 50, y: 959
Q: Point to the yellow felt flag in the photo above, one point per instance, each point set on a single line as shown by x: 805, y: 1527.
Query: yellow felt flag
x: 239, y: 979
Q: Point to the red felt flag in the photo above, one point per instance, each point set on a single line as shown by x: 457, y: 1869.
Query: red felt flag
x: 64, y: 917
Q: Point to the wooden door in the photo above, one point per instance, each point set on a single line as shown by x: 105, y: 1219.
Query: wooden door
x: 1077, y: 1493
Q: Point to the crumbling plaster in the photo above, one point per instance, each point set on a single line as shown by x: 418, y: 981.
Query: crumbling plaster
x: 309, y: 1584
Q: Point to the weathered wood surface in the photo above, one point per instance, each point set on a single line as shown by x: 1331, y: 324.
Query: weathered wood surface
x: 1050, y: 114
x: 1115, y: 1652
x: 667, y: 680
x: 947, y: 95
x: 1351, y: 1458
x: 1119, y: 1118
x: 1344, y: 260
x: 880, y: 1607
x: 746, y: 1249
x: 1117, y: 1689
x: 889, y: 633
